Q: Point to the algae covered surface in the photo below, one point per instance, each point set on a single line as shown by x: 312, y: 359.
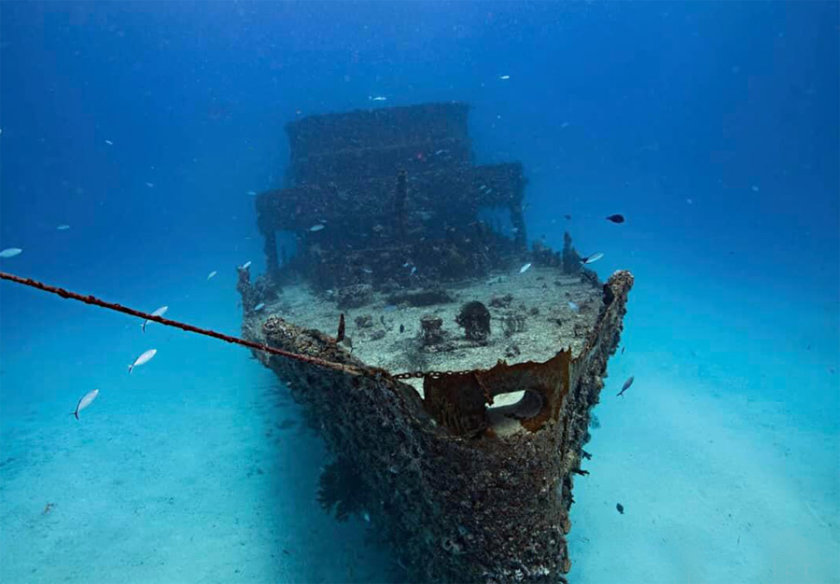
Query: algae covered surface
x: 531, y: 320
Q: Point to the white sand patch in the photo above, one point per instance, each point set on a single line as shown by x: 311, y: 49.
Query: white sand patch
x: 710, y: 494
x: 198, y: 470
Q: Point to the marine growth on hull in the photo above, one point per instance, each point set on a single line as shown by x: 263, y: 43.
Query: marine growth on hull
x: 461, y: 366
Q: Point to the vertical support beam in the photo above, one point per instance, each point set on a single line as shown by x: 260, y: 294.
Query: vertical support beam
x: 270, y: 248
x: 399, y: 204
x: 517, y: 218
x: 266, y: 225
x: 246, y: 291
x: 570, y: 256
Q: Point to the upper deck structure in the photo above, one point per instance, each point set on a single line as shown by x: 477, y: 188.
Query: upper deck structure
x: 450, y: 369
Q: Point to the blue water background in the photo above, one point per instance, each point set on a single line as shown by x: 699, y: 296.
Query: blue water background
x: 713, y: 127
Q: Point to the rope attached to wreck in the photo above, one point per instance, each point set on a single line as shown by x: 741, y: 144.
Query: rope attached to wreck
x: 174, y: 323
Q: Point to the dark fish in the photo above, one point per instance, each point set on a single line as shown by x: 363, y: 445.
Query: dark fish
x: 622, y: 349
x: 568, y: 217
x: 402, y: 328
x: 341, y: 328
x: 620, y: 508
x: 626, y: 386
x: 616, y: 218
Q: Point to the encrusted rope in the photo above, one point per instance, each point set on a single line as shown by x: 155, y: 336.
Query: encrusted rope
x: 174, y: 323
x: 210, y: 333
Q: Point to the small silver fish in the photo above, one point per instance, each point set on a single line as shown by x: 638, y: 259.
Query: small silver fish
x: 85, y: 401
x: 367, y: 270
x: 259, y: 307
x: 252, y: 193
x: 158, y: 312
x: 574, y: 306
x: 377, y: 98
x: 212, y: 275
x: 144, y: 358
x: 318, y: 227
x: 591, y: 259
x: 406, y: 265
x: 109, y: 143
x: 246, y: 265
x: 10, y: 252
x: 626, y: 386
x: 413, y: 270
x: 504, y: 77
x: 525, y: 268
x: 150, y: 185
x: 63, y: 227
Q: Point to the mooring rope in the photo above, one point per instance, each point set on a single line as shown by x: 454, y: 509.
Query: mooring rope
x: 174, y: 323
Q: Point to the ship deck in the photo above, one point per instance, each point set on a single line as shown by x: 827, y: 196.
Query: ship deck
x: 532, y: 318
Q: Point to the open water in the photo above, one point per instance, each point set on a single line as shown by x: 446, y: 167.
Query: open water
x: 712, y: 127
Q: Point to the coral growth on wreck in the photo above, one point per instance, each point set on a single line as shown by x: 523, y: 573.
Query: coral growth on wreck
x: 475, y: 320
x: 340, y: 490
x: 385, y: 207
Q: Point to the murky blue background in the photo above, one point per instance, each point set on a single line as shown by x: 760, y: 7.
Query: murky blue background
x: 713, y: 127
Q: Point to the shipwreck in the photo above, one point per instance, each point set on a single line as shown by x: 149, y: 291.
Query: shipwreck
x: 451, y: 369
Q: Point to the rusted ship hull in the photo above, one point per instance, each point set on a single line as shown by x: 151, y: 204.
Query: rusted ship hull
x: 462, y: 461
x: 457, y: 501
